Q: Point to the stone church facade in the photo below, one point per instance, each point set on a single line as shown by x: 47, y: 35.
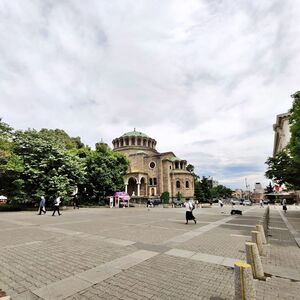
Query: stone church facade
x: 151, y: 173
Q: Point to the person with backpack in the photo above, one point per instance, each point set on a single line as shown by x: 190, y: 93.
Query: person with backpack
x: 189, y: 207
x: 56, y: 206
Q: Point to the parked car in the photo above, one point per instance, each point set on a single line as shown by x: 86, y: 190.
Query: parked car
x: 178, y: 203
x: 235, y: 201
x: 247, y: 202
x: 155, y: 202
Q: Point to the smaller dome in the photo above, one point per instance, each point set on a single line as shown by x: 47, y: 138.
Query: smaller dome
x: 135, y: 133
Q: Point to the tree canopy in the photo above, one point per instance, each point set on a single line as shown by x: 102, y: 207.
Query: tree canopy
x: 205, y: 192
x: 49, y: 162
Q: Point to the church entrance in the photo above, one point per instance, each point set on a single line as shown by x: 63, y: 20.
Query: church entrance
x: 132, y: 187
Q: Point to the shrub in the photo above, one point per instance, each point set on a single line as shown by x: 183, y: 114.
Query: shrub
x: 165, y: 197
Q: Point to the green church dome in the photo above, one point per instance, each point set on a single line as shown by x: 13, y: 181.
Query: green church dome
x: 135, y: 133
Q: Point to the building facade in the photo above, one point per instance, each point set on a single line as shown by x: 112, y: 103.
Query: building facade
x: 151, y: 173
x: 282, y: 137
x: 282, y: 132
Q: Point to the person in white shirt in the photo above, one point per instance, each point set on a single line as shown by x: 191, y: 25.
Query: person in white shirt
x: 56, y: 206
x: 189, y: 207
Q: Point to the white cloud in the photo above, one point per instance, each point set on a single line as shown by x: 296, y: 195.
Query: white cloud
x: 181, y: 71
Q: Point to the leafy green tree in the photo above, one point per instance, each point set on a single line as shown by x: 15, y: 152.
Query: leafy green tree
x: 205, y: 187
x: 10, y: 164
x: 104, y: 173
x: 294, y: 120
x: 220, y: 191
x: 61, y: 138
x: 283, y: 169
x: 199, y: 195
x: 202, y: 189
x: 49, y: 167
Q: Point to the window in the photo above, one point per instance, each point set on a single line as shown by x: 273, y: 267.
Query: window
x: 150, y: 181
x: 178, y: 184
x: 154, y: 181
x: 152, y: 165
x: 187, y: 184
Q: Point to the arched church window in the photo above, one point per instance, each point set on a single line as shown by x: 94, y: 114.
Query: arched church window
x: 152, y: 192
x: 187, y: 184
x: 150, y: 181
x: 154, y: 181
x: 178, y: 184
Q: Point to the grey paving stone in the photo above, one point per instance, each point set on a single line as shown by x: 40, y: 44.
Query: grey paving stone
x: 62, y: 289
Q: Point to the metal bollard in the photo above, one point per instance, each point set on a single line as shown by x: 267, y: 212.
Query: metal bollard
x: 243, y: 282
x: 254, y: 260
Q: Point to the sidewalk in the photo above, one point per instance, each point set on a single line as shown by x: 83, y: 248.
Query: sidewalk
x: 282, y: 259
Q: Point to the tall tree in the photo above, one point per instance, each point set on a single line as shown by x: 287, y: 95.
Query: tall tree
x: 283, y: 169
x: 49, y: 167
x: 294, y: 144
x: 104, y: 173
x: 11, y: 165
x: 220, y: 191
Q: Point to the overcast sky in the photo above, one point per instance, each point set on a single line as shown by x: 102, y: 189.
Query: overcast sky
x: 205, y: 78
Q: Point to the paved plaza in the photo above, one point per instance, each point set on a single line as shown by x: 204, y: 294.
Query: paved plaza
x: 135, y: 253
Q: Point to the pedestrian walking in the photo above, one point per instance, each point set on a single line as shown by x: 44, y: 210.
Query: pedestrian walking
x: 56, y: 206
x: 42, y: 205
x: 148, y: 204
x: 76, y: 202
x: 221, y: 205
x: 261, y: 203
x: 189, y: 207
x: 284, y: 205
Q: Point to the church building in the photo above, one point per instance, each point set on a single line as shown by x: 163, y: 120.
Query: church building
x: 151, y: 173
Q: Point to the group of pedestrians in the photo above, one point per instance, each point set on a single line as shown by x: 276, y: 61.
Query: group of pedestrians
x: 42, y: 206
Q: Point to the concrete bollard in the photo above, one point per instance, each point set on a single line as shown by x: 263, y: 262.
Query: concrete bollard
x: 254, y: 260
x: 256, y: 238
x: 260, y: 229
x: 243, y: 282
